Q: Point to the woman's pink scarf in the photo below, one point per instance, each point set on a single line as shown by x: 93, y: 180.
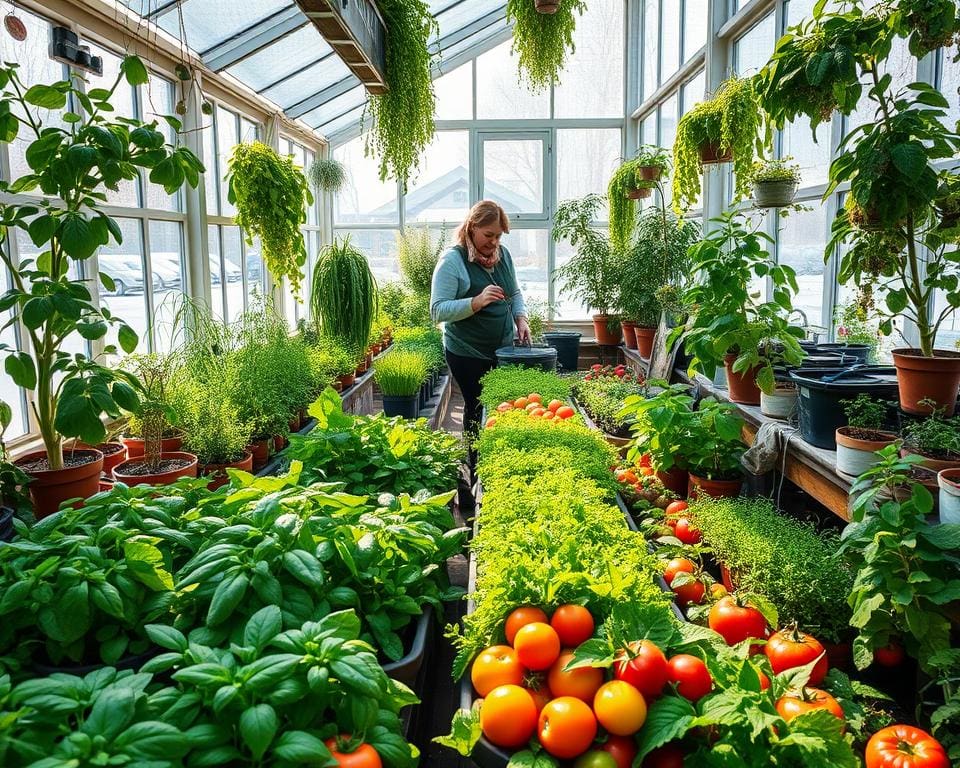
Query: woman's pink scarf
x: 487, y: 262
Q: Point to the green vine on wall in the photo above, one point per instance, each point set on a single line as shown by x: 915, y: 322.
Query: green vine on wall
x: 543, y: 40
x: 271, y: 195
x: 403, y: 116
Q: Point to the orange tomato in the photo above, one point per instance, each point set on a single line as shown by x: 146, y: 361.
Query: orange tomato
x: 620, y: 708
x: 630, y: 477
x: 491, y: 421
x: 363, y: 756
x: 531, y: 407
x: 534, y: 397
x: 497, y: 665
x: 674, y: 508
x: 508, y: 716
x: 717, y: 591
x: 538, y: 411
x: 573, y: 624
x: 645, y: 460
x: 566, y: 727
x: 564, y: 412
x: 548, y: 416
x: 520, y: 402
x: 504, y: 407
x: 537, y: 645
x: 646, y: 471
x: 554, y: 404
x: 582, y: 683
x: 542, y: 695
x: 794, y: 703
x: 520, y: 617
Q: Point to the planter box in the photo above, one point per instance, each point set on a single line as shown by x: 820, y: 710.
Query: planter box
x: 407, y: 669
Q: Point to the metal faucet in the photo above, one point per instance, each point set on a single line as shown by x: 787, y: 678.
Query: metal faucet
x: 806, y: 322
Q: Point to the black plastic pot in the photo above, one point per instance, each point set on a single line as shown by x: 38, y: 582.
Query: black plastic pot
x: 822, y: 392
x: 407, y: 669
x: 544, y: 358
x: 424, y: 395
x: 567, y: 344
x: 849, y: 353
x: 407, y: 406
x: 6, y: 524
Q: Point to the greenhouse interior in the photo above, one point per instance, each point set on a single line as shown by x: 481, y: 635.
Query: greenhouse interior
x: 495, y: 383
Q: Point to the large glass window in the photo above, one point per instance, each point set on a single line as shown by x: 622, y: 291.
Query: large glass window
x: 513, y: 173
x: 227, y: 138
x: 364, y: 199
x: 651, y: 47
x: 668, y: 121
x: 380, y: 248
x: 500, y: 94
x: 669, y: 39
x: 695, y: 20
x: 454, y: 94
x: 586, y: 158
x: 167, y: 264
x: 752, y: 49
x: 441, y: 191
x: 693, y: 92
x: 528, y: 249
x: 125, y: 264
x: 800, y: 244
x: 592, y: 81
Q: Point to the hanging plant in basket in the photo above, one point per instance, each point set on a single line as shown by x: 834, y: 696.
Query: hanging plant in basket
x: 546, y: 6
x: 271, y: 196
x: 327, y: 174
x: 775, y: 183
x: 403, y: 116
x: 727, y: 126
x: 633, y: 180
x: 542, y: 39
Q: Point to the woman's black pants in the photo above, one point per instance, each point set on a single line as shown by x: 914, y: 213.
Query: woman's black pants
x: 467, y: 372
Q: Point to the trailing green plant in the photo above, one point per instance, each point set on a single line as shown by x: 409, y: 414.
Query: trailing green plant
x: 863, y: 412
x: 907, y: 570
x: 775, y: 170
x: 344, y: 294
x: 417, y: 255
x: 400, y: 372
x: 271, y: 196
x: 542, y: 41
x: 402, y: 116
x: 508, y: 382
x: 73, y: 161
x: 591, y: 274
x: 934, y: 436
x: 327, y: 174
x: 730, y: 121
x: 799, y: 570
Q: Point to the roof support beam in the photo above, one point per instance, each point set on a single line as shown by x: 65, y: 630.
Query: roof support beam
x: 321, y: 97
x: 448, y: 41
x: 254, y: 38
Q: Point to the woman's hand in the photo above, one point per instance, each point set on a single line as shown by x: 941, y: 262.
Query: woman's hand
x: 523, y: 330
x: 489, y: 295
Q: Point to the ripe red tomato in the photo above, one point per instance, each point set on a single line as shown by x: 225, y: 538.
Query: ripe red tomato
x: 686, y: 531
x: 903, y: 746
x: 644, y: 666
x: 520, y: 617
x: 794, y: 703
x: 678, y: 565
x: 363, y: 756
x: 620, y: 708
x: 691, y: 593
x: 573, y: 624
x: 537, y: 645
x: 674, y: 508
x: 508, y: 716
x: 790, y: 648
x: 566, y: 727
x: 581, y: 683
x: 497, y: 665
x: 553, y: 405
x: 691, y: 676
x: 622, y: 748
x: 735, y: 622
x: 667, y: 756
x: 891, y: 655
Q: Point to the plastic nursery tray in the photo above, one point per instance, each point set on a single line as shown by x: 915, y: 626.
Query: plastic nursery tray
x: 407, y: 669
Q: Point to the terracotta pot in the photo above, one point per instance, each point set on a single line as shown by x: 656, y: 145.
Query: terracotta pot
x: 717, y: 489
x: 217, y: 472
x: 743, y: 386
x: 368, y: 361
x: 105, y: 484
x: 135, y: 445
x: 279, y: 443
x: 605, y: 336
x: 49, y: 488
x: 347, y: 380
x: 710, y: 154
x: 855, y: 455
x: 546, y: 6
x: 675, y: 480
x: 934, y: 378
x: 629, y: 329
x: 639, y: 193
x: 650, y: 172
x: 113, y: 454
x: 121, y: 475
x: 645, y: 337
x: 375, y: 349
x: 294, y: 424
x: 360, y: 369
x: 937, y: 465
x: 261, y: 452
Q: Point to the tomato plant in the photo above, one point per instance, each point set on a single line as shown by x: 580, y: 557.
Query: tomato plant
x: 794, y: 703
x: 573, y: 624
x: 620, y: 708
x: 790, y: 648
x: 690, y: 675
x: 903, y: 746
x: 364, y: 756
x: 567, y: 727
x: 520, y: 617
x: 678, y: 565
x: 497, y: 665
x: 537, y: 645
x: 623, y: 749
x: 581, y: 683
x: 508, y: 716
x: 686, y: 531
x: 644, y: 666
x: 890, y: 655
x: 735, y: 621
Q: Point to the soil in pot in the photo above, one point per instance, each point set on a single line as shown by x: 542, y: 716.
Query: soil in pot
x: 113, y: 454
x: 79, y: 478
x: 934, y: 461
x: 743, y: 386
x: 717, y: 489
x: 136, y: 445
x: 645, y: 337
x: 218, y: 472
x: 856, y: 449
x: 927, y: 378
x: 601, y: 330
x: 173, y: 465
x: 629, y: 334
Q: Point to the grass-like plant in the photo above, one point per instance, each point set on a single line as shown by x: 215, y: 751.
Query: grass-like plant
x: 542, y: 41
x: 327, y: 174
x: 935, y: 436
x: 417, y: 255
x: 508, y: 382
x: 798, y: 569
x: 211, y: 423
x: 400, y: 373
x: 344, y: 293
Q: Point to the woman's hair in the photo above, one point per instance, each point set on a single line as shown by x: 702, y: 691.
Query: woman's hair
x: 484, y: 212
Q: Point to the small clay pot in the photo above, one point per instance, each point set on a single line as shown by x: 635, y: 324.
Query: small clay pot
x: 123, y: 473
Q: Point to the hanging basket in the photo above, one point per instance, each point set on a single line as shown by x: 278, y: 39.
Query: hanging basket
x: 710, y: 154
x: 650, y: 172
x: 639, y: 193
x: 546, y: 6
x: 774, y: 194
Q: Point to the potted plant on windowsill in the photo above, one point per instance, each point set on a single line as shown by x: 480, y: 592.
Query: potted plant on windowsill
x: 73, y: 166
x: 774, y: 182
x: 936, y: 439
x: 714, y: 450
x: 724, y: 128
x: 864, y: 435
x: 591, y: 274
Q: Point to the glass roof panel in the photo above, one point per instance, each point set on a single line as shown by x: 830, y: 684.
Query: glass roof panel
x: 464, y: 13
x: 275, y: 62
x: 210, y: 22
x: 344, y: 121
x: 312, y: 80
x: 332, y: 109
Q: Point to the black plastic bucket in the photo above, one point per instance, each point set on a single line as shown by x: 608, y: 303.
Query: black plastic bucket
x: 821, y: 402
x: 849, y: 353
x: 567, y: 344
x: 544, y: 358
x: 402, y: 405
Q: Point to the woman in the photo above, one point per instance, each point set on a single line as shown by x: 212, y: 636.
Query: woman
x: 475, y: 294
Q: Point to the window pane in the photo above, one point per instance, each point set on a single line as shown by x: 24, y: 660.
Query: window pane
x: 233, y: 270
x: 211, y: 178
x: 290, y: 305
x: 528, y: 249
x: 227, y: 139
x: 255, y: 270
x: 668, y: 121
x: 500, y: 94
x: 10, y: 393
x: 800, y: 245
x: 217, y: 296
x: 592, y: 81
x: 693, y: 92
x: 669, y: 40
x: 651, y: 43
x: 799, y: 10
x: 441, y: 191
x: 127, y: 192
x: 158, y: 100
x: 380, y: 248
x: 124, y: 263
x: 454, y: 92
x: 694, y: 27
x: 950, y: 83
x: 813, y: 157
x: 648, y: 129
x: 313, y: 211
x: 949, y: 334
x: 902, y: 67
x: 364, y: 199
x: 586, y: 158
x: 166, y: 260
x: 752, y: 50
x: 566, y: 307
x: 249, y: 130
x: 513, y: 174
